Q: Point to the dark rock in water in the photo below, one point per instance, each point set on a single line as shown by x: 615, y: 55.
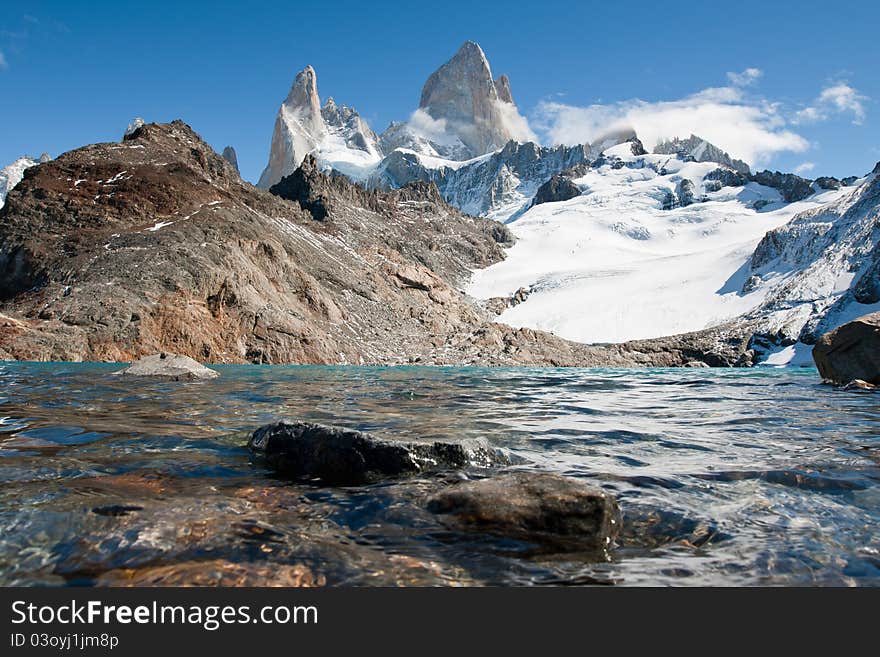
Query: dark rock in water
x: 115, y: 510
x: 177, y: 368
x: 217, y: 572
x: 230, y: 156
x: 346, y: 457
x: 534, y: 507
x: 827, y: 182
x: 850, y: 352
x: 793, y: 188
x: 558, y: 188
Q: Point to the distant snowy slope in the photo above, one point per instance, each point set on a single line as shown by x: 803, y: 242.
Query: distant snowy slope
x: 12, y: 175
x: 613, y: 265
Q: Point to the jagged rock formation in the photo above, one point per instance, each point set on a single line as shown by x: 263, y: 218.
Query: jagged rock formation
x: 498, y: 185
x: 230, y: 156
x: 828, y: 262
x: 700, y: 150
x: 463, y: 95
x: 299, y: 128
x: 336, y: 134
x: 558, y: 188
x: 792, y: 187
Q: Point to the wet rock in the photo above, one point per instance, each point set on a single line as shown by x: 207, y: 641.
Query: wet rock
x: 176, y: 368
x: 858, y: 384
x: 217, y: 572
x: 850, y: 352
x: 533, y: 506
x: 340, y: 456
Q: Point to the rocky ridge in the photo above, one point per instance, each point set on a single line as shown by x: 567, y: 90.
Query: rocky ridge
x: 120, y: 250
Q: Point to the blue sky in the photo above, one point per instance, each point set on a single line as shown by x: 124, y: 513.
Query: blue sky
x: 77, y: 73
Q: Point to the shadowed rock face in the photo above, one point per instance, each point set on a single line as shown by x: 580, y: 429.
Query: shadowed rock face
x: 558, y: 188
x: 850, y: 352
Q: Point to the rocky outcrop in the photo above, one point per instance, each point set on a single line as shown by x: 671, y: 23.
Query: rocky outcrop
x: 814, y: 254
x: 558, y: 188
x: 700, y: 150
x: 792, y: 187
x: 827, y: 182
x: 850, y: 352
x: 727, y: 177
x: 496, y: 186
x: 230, y: 156
x: 169, y: 366
x: 685, y: 192
x: 536, y: 507
x: 339, y: 456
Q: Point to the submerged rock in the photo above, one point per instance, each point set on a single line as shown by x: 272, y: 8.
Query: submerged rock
x: 217, y: 572
x: 340, y: 456
x: 177, y: 368
x: 535, y: 507
x: 850, y: 352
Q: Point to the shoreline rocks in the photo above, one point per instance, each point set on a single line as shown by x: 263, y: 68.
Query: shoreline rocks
x: 345, y: 457
x: 171, y: 366
x: 538, y: 507
x: 851, y: 353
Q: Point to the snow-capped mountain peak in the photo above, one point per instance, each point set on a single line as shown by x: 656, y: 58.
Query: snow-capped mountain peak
x: 338, y: 135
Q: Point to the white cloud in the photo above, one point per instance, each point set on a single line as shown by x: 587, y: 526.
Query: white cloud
x: 746, y: 78
x: 747, y: 128
x: 515, y: 123
x: 3, y: 63
x: 804, y: 167
x: 838, y: 98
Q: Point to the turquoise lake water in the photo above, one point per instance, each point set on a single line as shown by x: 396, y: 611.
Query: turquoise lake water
x: 727, y: 477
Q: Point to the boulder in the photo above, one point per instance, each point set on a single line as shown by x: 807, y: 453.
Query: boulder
x: 532, y: 506
x: 176, y: 368
x: 850, y: 352
x: 345, y: 457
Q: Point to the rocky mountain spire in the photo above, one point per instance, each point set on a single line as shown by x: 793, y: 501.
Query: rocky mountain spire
x: 230, y: 156
x: 299, y: 128
x: 476, y: 108
x: 502, y: 86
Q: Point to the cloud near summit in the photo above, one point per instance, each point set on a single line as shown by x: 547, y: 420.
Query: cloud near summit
x: 748, y: 127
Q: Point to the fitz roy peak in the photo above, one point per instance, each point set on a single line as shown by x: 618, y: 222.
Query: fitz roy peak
x: 462, y: 96
x: 463, y: 113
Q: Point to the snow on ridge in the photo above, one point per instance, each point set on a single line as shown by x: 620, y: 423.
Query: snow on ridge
x: 612, y: 265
